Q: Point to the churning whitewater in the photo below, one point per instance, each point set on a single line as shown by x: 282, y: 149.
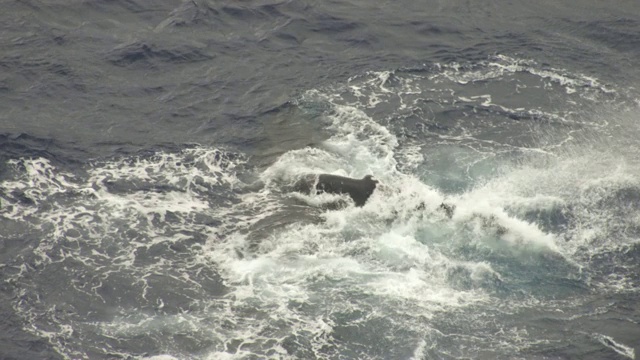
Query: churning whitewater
x: 200, y: 252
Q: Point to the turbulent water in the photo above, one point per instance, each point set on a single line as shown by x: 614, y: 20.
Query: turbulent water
x: 147, y: 149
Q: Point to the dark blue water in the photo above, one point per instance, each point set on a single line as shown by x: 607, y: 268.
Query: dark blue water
x: 147, y: 149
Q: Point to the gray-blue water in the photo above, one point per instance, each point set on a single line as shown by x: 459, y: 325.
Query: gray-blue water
x: 146, y: 149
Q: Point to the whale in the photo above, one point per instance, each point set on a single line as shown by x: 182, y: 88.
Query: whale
x: 358, y: 189
x: 361, y: 189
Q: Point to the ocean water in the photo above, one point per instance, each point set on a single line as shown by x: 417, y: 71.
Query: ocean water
x: 147, y: 150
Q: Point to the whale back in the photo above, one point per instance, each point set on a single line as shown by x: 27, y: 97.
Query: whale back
x: 358, y: 189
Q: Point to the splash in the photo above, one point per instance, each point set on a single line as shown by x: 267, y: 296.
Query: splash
x: 171, y: 255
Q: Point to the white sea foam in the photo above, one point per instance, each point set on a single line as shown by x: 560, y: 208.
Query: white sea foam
x: 99, y: 231
x: 302, y: 283
x: 621, y: 349
x: 394, y: 261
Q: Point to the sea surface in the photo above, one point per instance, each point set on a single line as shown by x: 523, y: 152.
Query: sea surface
x: 148, y: 148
